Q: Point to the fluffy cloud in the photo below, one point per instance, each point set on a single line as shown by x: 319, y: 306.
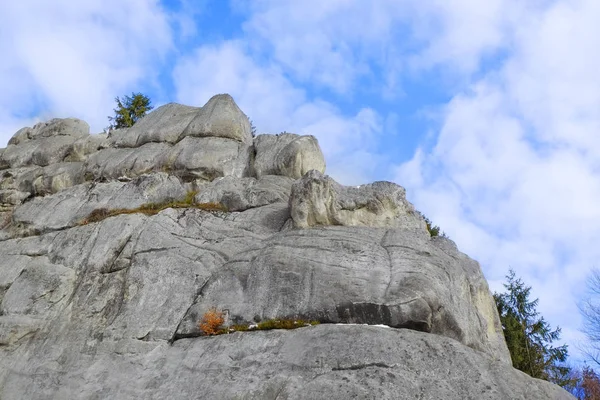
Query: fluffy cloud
x: 513, y: 176
x: 66, y: 58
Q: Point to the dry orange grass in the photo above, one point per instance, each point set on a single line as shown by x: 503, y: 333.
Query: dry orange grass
x: 211, y: 322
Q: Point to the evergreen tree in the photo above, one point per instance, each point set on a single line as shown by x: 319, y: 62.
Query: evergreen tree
x: 129, y: 110
x: 528, y: 336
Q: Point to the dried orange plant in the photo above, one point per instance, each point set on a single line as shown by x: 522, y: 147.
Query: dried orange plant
x: 211, y: 322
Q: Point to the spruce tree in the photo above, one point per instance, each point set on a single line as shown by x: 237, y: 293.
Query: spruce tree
x: 129, y: 110
x: 528, y: 336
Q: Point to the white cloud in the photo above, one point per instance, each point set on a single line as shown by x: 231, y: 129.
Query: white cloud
x: 514, y: 176
x: 71, y: 58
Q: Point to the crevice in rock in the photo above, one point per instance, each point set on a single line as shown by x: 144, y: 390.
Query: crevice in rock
x: 380, y: 314
x: 387, y: 251
x: 177, y: 336
x: 362, y: 366
x: 34, y: 232
x: 189, y: 242
x: 110, y: 268
x: 156, y: 250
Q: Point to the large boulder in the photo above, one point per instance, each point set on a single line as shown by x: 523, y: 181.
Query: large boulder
x: 219, y: 117
x: 85, y: 146
x: 287, y: 154
x: 317, y: 200
x: 207, y: 158
x: 46, y: 143
x: 242, y: 194
x: 165, y: 124
x: 114, y: 163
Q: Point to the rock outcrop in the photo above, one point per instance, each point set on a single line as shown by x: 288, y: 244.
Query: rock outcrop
x: 114, y: 246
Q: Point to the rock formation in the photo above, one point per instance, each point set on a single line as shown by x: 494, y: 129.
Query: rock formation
x: 114, y: 246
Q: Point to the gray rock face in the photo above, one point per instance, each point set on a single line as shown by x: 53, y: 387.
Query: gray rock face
x: 307, y: 363
x: 71, y: 206
x: 109, y: 308
x: 346, y: 275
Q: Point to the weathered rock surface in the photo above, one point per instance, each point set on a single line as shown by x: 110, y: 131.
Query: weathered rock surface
x: 110, y: 309
x: 220, y: 117
x: 319, y: 200
x: 287, y: 154
x: 46, y: 143
x: 243, y: 194
x: 322, y: 362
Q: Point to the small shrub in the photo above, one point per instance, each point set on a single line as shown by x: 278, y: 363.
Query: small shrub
x: 433, y: 230
x: 211, y: 322
x: 190, y: 197
x: 96, y: 216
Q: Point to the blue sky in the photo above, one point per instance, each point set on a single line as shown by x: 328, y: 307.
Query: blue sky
x: 487, y: 112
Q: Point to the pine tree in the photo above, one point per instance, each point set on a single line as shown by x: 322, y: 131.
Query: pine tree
x: 129, y: 110
x: 528, y: 336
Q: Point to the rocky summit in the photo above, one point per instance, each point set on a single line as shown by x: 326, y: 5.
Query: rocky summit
x: 115, y: 249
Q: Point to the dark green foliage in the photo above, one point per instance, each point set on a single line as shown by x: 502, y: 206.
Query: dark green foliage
x: 129, y: 110
x: 433, y: 230
x: 252, y: 129
x: 528, y: 336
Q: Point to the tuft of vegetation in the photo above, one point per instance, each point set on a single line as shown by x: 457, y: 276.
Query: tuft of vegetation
x: 211, y: 322
x: 129, y: 110
x: 190, y: 197
x: 153, y: 208
x: 277, y: 323
x: 283, y: 324
x: 252, y: 128
x: 433, y: 230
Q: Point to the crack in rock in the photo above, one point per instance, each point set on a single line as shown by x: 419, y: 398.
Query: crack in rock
x: 362, y: 366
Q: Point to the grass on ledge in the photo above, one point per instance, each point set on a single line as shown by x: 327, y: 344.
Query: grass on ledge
x: 265, y: 326
x: 153, y: 208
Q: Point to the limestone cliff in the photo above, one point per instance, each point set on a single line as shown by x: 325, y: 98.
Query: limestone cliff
x: 113, y: 247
